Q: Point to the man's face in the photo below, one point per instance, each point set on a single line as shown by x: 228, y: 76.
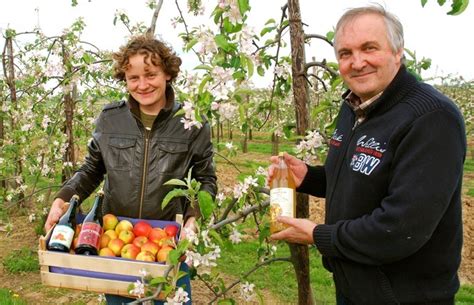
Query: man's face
x: 366, y: 62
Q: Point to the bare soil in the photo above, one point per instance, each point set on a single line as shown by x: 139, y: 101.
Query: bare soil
x: 28, y: 285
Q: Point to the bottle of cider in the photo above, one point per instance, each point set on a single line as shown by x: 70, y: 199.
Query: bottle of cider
x: 63, y: 232
x: 282, y: 195
x: 91, y: 230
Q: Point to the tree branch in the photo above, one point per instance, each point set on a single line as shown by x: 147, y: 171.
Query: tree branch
x: 255, y: 268
x: 324, y: 38
x: 322, y: 65
x: 151, y: 29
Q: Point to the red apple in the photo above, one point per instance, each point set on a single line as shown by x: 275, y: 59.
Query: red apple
x: 139, y: 241
x: 106, y: 252
x: 110, y: 221
x: 156, y: 234
x: 129, y: 251
x: 145, y: 256
x: 127, y: 236
x: 111, y: 234
x: 171, y: 230
x: 166, y: 241
x: 104, y: 241
x: 141, y: 228
x: 162, y: 255
x: 123, y: 225
x: 116, y: 246
x: 151, y: 247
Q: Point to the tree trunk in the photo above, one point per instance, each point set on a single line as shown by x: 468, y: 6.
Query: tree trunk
x: 68, y: 158
x: 10, y: 78
x: 300, y: 253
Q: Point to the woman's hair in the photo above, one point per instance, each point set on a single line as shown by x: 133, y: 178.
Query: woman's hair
x: 159, y: 53
x: 393, y: 25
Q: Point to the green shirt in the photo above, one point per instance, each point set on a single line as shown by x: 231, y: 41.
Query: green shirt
x: 147, y: 120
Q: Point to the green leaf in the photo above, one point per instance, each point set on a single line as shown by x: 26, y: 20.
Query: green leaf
x: 158, y: 280
x: 423, y: 2
x: 260, y: 71
x: 174, y: 256
x: 243, y: 7
x: 226, y: 302
x: 441, y: 2
x: 330, y: 35
x: 267, y: 30
x: 190, y: 44
x: 203, y: 83
x: 222, y: 43
x: 179, y: 112
x: 217, y: 237
x: 172, y: 194
x: 175, y: 182
x: 203, y: 67
x: 206, y: 204
x: 181, y: 274
x: 271, y: 20
x: 458, y: 6
x: 250, y: 67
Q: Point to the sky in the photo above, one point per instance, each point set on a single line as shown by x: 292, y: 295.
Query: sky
x: 429, y: 31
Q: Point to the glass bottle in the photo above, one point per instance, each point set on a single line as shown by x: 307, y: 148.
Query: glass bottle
x: 282, y: 195
x: 91, y: 230
x: 63, y: 232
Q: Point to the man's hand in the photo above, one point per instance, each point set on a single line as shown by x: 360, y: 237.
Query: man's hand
x: 300, y: 231
x: 58, y: 208
x: 297, y: 167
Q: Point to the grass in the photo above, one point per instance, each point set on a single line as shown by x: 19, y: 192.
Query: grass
x: 8, y: 297
x: 465, y: 295
x: 23, y: 260
x: 270, y: 277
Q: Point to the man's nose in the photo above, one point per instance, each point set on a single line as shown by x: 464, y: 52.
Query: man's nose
x: 358, y: 61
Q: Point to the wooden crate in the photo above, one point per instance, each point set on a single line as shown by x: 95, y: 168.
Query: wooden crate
x: 96, y: 273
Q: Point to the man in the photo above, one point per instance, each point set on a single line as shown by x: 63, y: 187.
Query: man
x: 392, y: 177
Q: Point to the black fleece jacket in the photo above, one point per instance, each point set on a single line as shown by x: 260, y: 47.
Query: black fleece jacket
x: 393, y: 227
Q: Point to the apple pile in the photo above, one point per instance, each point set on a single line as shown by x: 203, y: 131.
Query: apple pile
x: 140, y: 241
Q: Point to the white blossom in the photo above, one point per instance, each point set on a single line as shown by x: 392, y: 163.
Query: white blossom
x: 138, y: 289
x: 31, y: 217
x: 191, y: 236
x: 247, y: 291
x: 229, y: 145
x: 235, y: 237
x: 180, y: 297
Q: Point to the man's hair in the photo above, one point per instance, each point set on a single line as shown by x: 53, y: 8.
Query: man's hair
x: 154, y: 50
x: 393, y: 25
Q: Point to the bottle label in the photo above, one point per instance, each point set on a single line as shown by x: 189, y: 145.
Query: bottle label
x: 281, y: 202
x: 90, y: 234
x: 62, y: 235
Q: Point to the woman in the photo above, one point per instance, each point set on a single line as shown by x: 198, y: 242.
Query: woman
x: 140, y: 144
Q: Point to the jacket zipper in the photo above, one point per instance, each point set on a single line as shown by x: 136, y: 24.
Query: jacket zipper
x: 145, y: 170
x: 341, y: 160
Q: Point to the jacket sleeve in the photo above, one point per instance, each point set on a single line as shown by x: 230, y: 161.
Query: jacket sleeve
x: 314, y: 183
x: 203, y: 166
x: 88, y: 177
x: 425, y: 186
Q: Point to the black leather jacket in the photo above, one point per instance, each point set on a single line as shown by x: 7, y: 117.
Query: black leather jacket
x: 136, y: 162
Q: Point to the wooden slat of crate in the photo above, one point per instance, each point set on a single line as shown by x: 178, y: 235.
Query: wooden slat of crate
x: 99, y: 264
x: 85, y: 283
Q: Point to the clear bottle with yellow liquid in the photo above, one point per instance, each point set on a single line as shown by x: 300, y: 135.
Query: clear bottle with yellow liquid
x: 282, y: 195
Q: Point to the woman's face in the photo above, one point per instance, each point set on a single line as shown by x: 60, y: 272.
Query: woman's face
x: 146, y: 83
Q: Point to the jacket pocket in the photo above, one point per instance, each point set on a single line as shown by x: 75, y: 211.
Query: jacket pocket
x: 121, y: 153
x: 173, y: 157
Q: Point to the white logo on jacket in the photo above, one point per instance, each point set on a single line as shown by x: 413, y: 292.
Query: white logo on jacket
x: 368, y: 153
